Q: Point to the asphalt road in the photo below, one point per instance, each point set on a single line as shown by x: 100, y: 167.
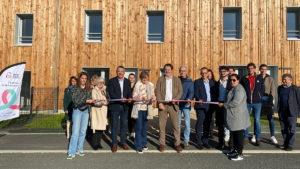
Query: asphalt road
x: 149, y: 161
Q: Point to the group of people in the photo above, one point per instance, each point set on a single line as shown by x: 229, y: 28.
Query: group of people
x: 231, y: 99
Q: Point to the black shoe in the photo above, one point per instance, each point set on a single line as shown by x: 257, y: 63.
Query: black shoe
x: 95, y: 147
x: 206, y: 146
x: 100, y: 146
x: 220, y: 146
x: 288, y: 149
x: 199, y: 146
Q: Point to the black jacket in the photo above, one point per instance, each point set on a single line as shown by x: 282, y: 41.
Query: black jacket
x: 114, y: 91
x: 294, y: 101
x: 200, y: 93
x: 258, y: 89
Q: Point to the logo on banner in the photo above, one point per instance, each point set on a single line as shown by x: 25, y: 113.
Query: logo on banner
x: 9, y: 104
x: 9, y: 75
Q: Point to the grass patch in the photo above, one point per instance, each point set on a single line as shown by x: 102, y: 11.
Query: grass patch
x: 15, y: 122
x: 53, y: 121
x: 35, y: 121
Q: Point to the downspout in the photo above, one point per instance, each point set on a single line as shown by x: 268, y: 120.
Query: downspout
x: 55, y: 92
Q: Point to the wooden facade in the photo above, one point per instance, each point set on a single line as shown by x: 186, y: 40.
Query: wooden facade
x: 193, y: 37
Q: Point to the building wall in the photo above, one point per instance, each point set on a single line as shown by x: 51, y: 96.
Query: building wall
x: 193, y: 37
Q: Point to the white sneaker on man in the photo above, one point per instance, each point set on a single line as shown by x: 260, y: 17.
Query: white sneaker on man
x: 273, y: 139
x: 253, y: 140
x: 237, y: 158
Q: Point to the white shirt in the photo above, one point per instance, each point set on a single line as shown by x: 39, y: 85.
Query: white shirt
x: 121, y: 82
x: 168, y: 96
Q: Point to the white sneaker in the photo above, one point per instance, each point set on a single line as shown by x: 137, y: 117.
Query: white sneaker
x: 226, y: 138
x: 237, y: 158
x: 253, y: 140
x: 273, y: 139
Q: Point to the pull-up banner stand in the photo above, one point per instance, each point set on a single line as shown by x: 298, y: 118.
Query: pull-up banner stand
x: 10, y: 90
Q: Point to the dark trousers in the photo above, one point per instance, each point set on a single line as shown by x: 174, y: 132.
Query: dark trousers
x: 131, y: 121
x: 203, y: 122
x: 97, y: 138
x: 238, y: 141
x: 140, y: 139
x: 288, y: 129
x: 123, y: 114
x: 220, y: 124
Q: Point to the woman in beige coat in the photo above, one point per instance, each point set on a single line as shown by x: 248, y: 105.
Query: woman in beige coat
x: 98, y: 114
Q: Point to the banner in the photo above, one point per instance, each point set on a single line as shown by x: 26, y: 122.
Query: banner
x: 10, y: 90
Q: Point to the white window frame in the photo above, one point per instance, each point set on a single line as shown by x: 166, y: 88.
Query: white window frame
x: 86, y: 26
x: 147, y: 26
x: 19, y: 26
x: 296, y: 8
x: 239, y: 22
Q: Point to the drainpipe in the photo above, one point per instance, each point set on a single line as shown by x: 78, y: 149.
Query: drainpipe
x: 55, y: 104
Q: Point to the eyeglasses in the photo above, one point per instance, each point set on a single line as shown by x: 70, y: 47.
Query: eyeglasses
x: 233, y: 80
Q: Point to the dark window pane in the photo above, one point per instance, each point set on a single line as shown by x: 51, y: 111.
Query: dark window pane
x: 27, y: 27
x: 156, y: 24
x: 291, y: 22
x: 230, y: 22
x: 95, y: 24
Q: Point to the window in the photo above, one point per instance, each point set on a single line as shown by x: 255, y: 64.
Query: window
x: 24, y: 30
x: 292, y: 23
x: 155, y: 26
x: 232, y: 23
x: 93, y: 26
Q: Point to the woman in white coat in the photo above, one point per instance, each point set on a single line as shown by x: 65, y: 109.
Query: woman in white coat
x: 98, y: 115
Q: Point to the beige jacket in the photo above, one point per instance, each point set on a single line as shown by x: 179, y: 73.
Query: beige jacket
x: 270, y: 86
x: 98, y: 114
x: 160, y: 90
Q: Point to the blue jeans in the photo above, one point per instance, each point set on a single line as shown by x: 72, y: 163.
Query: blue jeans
x: 256, y: 110
x: 80, y: 121
x: 271, y: 124
x: 269, y: 112
x: 123, y: 114
x: 186, y: 110
x: 140, y: 139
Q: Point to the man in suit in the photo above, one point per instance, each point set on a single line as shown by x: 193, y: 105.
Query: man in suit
x: 203, y: 92
x: 288, y: 110
x: 119, y: 88
x: 168, y: 88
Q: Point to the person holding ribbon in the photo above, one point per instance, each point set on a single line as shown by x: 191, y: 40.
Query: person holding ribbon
x: 185, y: 107
x: 81, y: 97
x: 119, y: 88
x: 237, y: 118
x: 203, y: 92
x: 168, y: 89
x: 143, y: 96
x: 98, y: 115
